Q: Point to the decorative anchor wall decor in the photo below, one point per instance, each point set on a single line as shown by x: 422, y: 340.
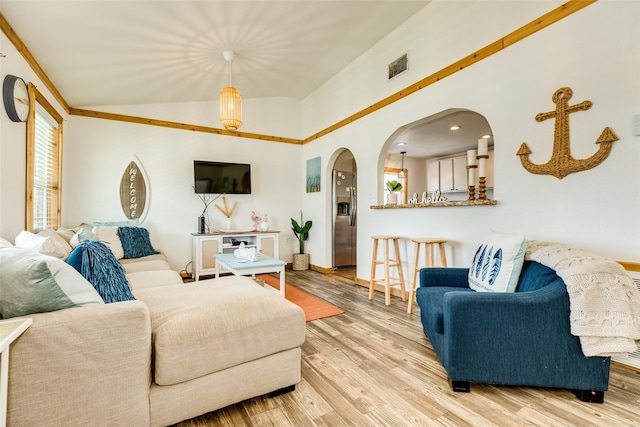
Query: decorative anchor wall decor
x: 561, y: 163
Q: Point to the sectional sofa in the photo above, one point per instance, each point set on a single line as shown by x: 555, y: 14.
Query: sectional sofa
x: 174, y: 352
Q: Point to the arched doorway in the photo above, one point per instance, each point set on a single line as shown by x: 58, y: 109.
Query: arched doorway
x: 344, y: 224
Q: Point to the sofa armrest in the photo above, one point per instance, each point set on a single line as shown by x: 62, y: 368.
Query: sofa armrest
x: 79, y: 365
x: 451, y: 277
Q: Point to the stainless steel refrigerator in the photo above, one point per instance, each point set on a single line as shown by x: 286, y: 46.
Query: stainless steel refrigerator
x: 344, y: 218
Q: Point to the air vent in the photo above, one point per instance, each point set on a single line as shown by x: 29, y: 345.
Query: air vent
x: 398, y: 66
x: 634, y: 358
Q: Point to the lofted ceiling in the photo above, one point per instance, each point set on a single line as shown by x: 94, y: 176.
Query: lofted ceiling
x: 110, y: 52
x: 114, y: 52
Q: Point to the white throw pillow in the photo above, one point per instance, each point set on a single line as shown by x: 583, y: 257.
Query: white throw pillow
x: 61, y: 248
x: 109, y: 235
x: 497, y: 263
x: 41, y: 244
x: 5, y: 243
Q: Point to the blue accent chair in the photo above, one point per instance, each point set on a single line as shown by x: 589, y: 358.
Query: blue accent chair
x: 521, y: 338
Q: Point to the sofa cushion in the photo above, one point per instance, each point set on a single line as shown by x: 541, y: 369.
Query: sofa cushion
x: 535, y: 276
x: 135, y: 242
x: 218, y: 323
x: 99, y: 266
x: 497, y: 263
x: 36, y: 283
x: 153, y: 279
x: 148, y: 263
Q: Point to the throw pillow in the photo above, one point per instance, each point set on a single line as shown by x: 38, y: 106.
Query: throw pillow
x: 62, y: 249
x: 497, y: 263
x: 37, y: 243
x: 36, y: 283
x: 97, y: 263
x: 135, y: 242
x: 82, y: 235
x: 109, y: 236
x: 5, y: 242
x: 125, y: 223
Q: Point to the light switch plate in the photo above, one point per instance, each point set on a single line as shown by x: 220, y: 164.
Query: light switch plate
x: 636, y: 125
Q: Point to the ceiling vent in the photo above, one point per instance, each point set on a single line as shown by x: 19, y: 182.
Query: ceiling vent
x: 398, y: 66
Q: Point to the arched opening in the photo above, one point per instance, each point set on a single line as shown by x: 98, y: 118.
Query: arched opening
x: 344, y: 225
x: 431, y: 156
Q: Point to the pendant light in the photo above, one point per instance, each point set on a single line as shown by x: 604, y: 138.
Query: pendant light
x: 401, y: 172
x: 230, y: 99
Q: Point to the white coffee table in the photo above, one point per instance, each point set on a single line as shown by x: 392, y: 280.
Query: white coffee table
x: 241, y: 267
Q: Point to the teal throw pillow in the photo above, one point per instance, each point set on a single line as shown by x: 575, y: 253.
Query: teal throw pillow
x: 96, y: 263
x: 36, y: 283
x: 135, y: 242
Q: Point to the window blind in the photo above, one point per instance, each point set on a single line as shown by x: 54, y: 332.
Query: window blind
x: 45, y: 171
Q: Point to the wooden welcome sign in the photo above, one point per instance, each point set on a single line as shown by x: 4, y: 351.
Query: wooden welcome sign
x: 134, y: 191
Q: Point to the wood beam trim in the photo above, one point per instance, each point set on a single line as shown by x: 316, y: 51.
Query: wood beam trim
x: 176, y: 125
x: 26, y: 54
x: 521, y: 33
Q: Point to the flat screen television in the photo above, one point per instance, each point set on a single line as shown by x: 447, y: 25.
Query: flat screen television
x: 221, y: 178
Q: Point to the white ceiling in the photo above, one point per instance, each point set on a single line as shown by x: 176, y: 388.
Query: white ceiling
x: 110, y: 52
x: 114, y: 52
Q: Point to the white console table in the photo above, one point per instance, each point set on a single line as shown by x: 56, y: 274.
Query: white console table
x: 206, y: 246
x: 9, y: 331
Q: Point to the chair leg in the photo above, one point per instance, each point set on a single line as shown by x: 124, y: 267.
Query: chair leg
x: 461, y: 386
x: 373, y: 268
x: 591, y: 396
x: 412, y: 293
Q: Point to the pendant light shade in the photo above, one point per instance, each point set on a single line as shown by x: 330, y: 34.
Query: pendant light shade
x: 230, y: 100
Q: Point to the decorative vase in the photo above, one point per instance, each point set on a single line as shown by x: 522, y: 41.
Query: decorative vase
x: 227, y: 224
x: 264, y: 226
x: 300, y: 262
x: 392, y: 199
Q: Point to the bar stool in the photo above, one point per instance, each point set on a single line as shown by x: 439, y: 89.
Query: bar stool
x: 428, y: 259
x: 387, y: 281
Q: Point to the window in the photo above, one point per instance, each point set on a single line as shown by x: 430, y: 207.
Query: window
x: 44, y: 161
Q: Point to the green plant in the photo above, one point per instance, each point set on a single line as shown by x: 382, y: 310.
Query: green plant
x: 393, y: 186
x: 301, y: 231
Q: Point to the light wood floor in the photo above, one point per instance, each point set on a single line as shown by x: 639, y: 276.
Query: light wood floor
x: 373, y: 366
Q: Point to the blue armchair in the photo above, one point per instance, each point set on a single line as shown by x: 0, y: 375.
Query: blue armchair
x: 520, y: 338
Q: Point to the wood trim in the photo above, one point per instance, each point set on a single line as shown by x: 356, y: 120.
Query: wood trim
x: 630, y: 266
x: 26, y: 54
x: 520, y: 34
x: 176, y: 125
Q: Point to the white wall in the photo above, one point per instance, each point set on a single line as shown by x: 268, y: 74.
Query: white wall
x: 596, y: 209
x: 13, y: 142
x: 98, y: 151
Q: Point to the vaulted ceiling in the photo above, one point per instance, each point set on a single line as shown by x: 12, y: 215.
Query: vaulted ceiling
x: 109, y: 52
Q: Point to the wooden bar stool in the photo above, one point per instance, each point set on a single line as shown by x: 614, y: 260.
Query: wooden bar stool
x: 428, y: 259
x: 388, y: 262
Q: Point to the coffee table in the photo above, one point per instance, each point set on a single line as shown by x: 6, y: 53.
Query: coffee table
x: 241, y: 267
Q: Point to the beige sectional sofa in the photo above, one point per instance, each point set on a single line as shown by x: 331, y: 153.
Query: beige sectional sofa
x: 176, y: 352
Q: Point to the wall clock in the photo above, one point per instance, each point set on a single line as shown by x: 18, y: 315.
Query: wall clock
x: 16, y: 98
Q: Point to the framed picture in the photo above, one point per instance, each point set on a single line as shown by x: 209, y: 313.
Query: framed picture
x: 313, y: 175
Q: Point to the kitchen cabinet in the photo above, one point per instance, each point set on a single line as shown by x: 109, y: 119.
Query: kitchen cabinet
x: 452, y: 175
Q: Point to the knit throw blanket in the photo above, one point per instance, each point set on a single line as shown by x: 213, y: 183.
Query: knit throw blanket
x: 604, y: 302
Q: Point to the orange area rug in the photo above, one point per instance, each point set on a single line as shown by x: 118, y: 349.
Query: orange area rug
x: 314, y: 308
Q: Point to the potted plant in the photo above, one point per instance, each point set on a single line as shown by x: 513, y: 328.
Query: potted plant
x: 301, y: 230
x: 393, y: 187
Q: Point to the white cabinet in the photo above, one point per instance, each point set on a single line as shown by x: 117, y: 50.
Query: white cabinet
x: 206, y: 246
x: 451, y: 175
x: 433, y: 175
